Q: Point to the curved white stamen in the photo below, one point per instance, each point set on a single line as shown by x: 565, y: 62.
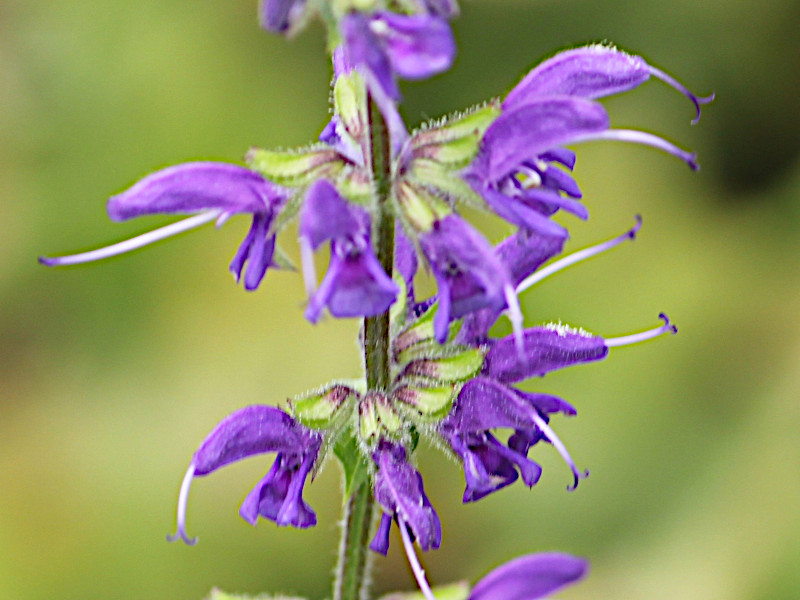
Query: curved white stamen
x: 641, y: 137
x: 671, y: 81
x: 309, y: 269
x: 635, y: 338
x: 413, y: 561
x: 135, y: 242
x: 514, y: 313
x: 578, y: 256
x: 561, y: 448
x: 183, y: 499
x: 222, y: 219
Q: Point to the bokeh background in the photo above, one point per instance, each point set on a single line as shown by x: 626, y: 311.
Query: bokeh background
x: 112, y: 373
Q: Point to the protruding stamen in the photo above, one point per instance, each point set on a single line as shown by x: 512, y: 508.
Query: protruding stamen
x: 671, y: 81
x: 183, y: 499
x: 222, y: 219
x: 309, y: 269
x: 133, y: 243
x: 635, y: 338
x: 413, y: 561
x: 641, y: 137
x: 562, y: 450
x: 514, y: 313
x: 578, y: 256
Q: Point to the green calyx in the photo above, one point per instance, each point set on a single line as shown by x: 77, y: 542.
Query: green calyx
x: 296, y: 168
x: 456, y: 367
x: 420, y: 207
x: 350, y: 104
x: 430, y: 403
x: 377, y: 419
x: 319, y: 410
x: 454, y: 141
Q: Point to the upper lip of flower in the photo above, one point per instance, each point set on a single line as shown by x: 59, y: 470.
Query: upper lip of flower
x: 256, y: 430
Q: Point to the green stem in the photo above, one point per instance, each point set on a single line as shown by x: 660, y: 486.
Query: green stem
x: 352, y: 573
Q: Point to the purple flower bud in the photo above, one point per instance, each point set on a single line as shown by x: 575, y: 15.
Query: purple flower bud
x: 248, y: 432
x: 530, y: 577
x: 399, y: 491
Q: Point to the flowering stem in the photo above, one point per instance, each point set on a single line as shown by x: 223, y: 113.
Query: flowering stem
x: 376, y: 329
x: 352, y: 574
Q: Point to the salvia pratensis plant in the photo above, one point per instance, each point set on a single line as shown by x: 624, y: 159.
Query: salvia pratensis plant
x: 385, y: 202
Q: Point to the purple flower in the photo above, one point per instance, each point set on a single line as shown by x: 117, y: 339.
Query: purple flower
x: 530, y: 577
x: 281, y: 16
x: 484, y: 404
x: 469, y: 276
x: 400, y: 493
x: 521, y: 169
x: 213, y: 190
x: 387, y: 45
x: 355, y: 284
x: 248, y: 432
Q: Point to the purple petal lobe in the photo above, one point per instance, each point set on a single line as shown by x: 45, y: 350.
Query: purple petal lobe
x: 545, y: 349
x: 278, y: 16
x: 588, y: 72
x: 194, y: 187
x: 468, y: 274
x: 326, y: 215
x: 380, y: 543
x: 418, y: 46
x: 530, y: 577
x: 278, y: 496
x: 399, y: 491
x: 535, y: 127
x: 250, y: 431
x: 355, y: 283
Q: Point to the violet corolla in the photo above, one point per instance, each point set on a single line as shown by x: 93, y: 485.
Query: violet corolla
x: 212, y: 192
x: 248, y: 432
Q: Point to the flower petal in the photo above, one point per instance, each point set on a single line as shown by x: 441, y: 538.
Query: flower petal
x: 530, y: 577
x: 418, y: 46
x: 545, y: 349
x: 195, y: 187
x: 399, y: 491
x: 588, y: 72
x: 529, y: 130
x: 250, y: 431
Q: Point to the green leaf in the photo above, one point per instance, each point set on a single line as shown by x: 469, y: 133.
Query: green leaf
x: 355, y: 468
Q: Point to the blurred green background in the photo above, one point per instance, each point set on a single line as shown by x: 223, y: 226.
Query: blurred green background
x: 112, y: 373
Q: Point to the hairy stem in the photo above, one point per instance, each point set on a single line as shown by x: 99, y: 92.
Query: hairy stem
x: 352, y: 573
